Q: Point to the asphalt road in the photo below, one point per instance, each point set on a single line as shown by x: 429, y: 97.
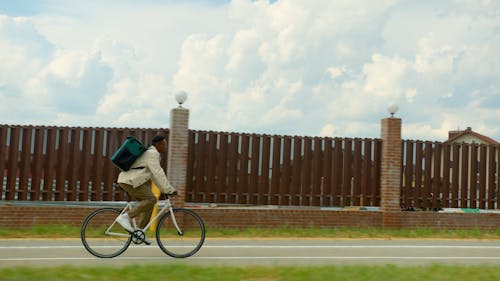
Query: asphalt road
x: 261, y: 252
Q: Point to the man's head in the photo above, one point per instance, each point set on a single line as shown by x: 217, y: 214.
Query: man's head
x: 160, y: 143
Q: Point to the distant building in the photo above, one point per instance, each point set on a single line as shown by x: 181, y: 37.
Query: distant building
x: 469, y: 136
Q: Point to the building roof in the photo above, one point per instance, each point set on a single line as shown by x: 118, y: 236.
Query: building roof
x: 455, y: 135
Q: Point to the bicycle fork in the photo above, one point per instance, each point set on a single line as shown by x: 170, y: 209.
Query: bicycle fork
x: 179, y: 231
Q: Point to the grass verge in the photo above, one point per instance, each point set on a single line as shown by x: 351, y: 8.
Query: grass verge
x: 194, y: 273
x: 66, y: 231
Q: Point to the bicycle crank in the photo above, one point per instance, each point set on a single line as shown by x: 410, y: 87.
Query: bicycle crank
x: 138, y: 237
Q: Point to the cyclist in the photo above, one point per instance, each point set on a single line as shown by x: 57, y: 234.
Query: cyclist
x: 137, y: 183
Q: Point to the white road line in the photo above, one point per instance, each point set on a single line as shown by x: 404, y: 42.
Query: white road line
x: 262, y: 258
x: 351, y: 247
x: 277, y: 247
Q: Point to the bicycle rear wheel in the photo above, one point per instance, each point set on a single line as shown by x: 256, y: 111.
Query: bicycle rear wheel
x: 102, y: 236
x: 188, y: 241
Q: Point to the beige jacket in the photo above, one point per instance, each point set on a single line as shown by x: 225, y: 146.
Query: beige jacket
x: 152, y: 170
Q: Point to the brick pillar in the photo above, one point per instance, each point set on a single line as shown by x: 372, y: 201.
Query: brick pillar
x: 178, y: 152
x: 391, y: 172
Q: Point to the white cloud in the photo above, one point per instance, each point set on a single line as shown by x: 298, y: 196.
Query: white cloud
x: 328, y: 130
x: 334, y: 72
x: 287, y: 67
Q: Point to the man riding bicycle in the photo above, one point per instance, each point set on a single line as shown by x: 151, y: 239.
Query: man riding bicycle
x: 137, y: 183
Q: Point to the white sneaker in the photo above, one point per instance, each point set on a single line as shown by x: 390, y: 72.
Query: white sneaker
x: 124, y: 220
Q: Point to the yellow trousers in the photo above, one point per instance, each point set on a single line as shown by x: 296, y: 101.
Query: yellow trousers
x: 156, y: 191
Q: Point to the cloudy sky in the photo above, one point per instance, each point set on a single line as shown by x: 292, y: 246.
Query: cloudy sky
x: 293, y: 67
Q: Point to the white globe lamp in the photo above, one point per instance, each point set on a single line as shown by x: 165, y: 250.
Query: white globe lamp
x: 393, y: 109
x: 181, y: 97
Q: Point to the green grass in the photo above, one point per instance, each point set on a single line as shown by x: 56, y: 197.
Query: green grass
x: 204, y: 273
x: 65, y: 231
x: 351, y: 232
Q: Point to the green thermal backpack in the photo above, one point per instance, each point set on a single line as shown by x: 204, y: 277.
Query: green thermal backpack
x: 127, y: 153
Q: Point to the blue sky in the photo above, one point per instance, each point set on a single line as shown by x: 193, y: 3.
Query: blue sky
x: 329, y: 68
x: 21, y: 7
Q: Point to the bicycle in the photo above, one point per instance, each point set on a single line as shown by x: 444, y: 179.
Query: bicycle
x: 180, y: 232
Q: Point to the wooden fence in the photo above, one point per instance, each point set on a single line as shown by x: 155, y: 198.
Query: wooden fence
x: 283, y: 170
x: 62, y: 163
x: 440, y: 175
x: 72, y: 164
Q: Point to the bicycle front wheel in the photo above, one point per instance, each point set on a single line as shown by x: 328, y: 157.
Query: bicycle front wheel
x: 102, y: 236
x: 185, y: 241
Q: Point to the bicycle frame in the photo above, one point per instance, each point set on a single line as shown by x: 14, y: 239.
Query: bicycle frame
x: 167, y: 207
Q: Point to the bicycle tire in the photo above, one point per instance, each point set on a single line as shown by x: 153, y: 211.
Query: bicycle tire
x: 95, y: 239
x: 179, y: 245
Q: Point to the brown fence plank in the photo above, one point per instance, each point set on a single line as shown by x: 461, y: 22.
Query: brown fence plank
x: 209, y: 187
x: 25, y: 164
x: 296, y: 169
x: 49, y: 166
x: 464, y: 184
x: 108, y: 168
x: 407, y: 194
x: 36, y: 181
x: 13, y: 163
x: 264, y: 179
x: 275, y: 173
x: 233, y: 168
x: 317, y: 169
x: 427, y: 195
x: 378, y: 165
x: 286, y: 173
x: 455, y: 181
x: 367, y: 172
x: 305, y: 191
x: 473, y: 176
x: 491, y: 177
x: 356, y: 173
x: 221, y: 186
x: 190, y: 175
x: 200, y: 168
x: 254, y: 172
x: 418, y: 190
x: 482, y: 176
x: 498, y: 176
x: 346, y: 176
x: 61, y: 164
x: 436, y: 176
x: 4, y: 151
x: 446, y: 176
x: 83, y: 193
x: 73, y: 164
x: 326, y: 180
x: 243, y: 172
x: 119, y: 138
x: 377, y: 172
x: 97, y: 191
x: 337, y: 172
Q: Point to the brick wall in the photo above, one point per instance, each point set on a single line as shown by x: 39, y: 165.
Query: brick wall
x: 23, y: 216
